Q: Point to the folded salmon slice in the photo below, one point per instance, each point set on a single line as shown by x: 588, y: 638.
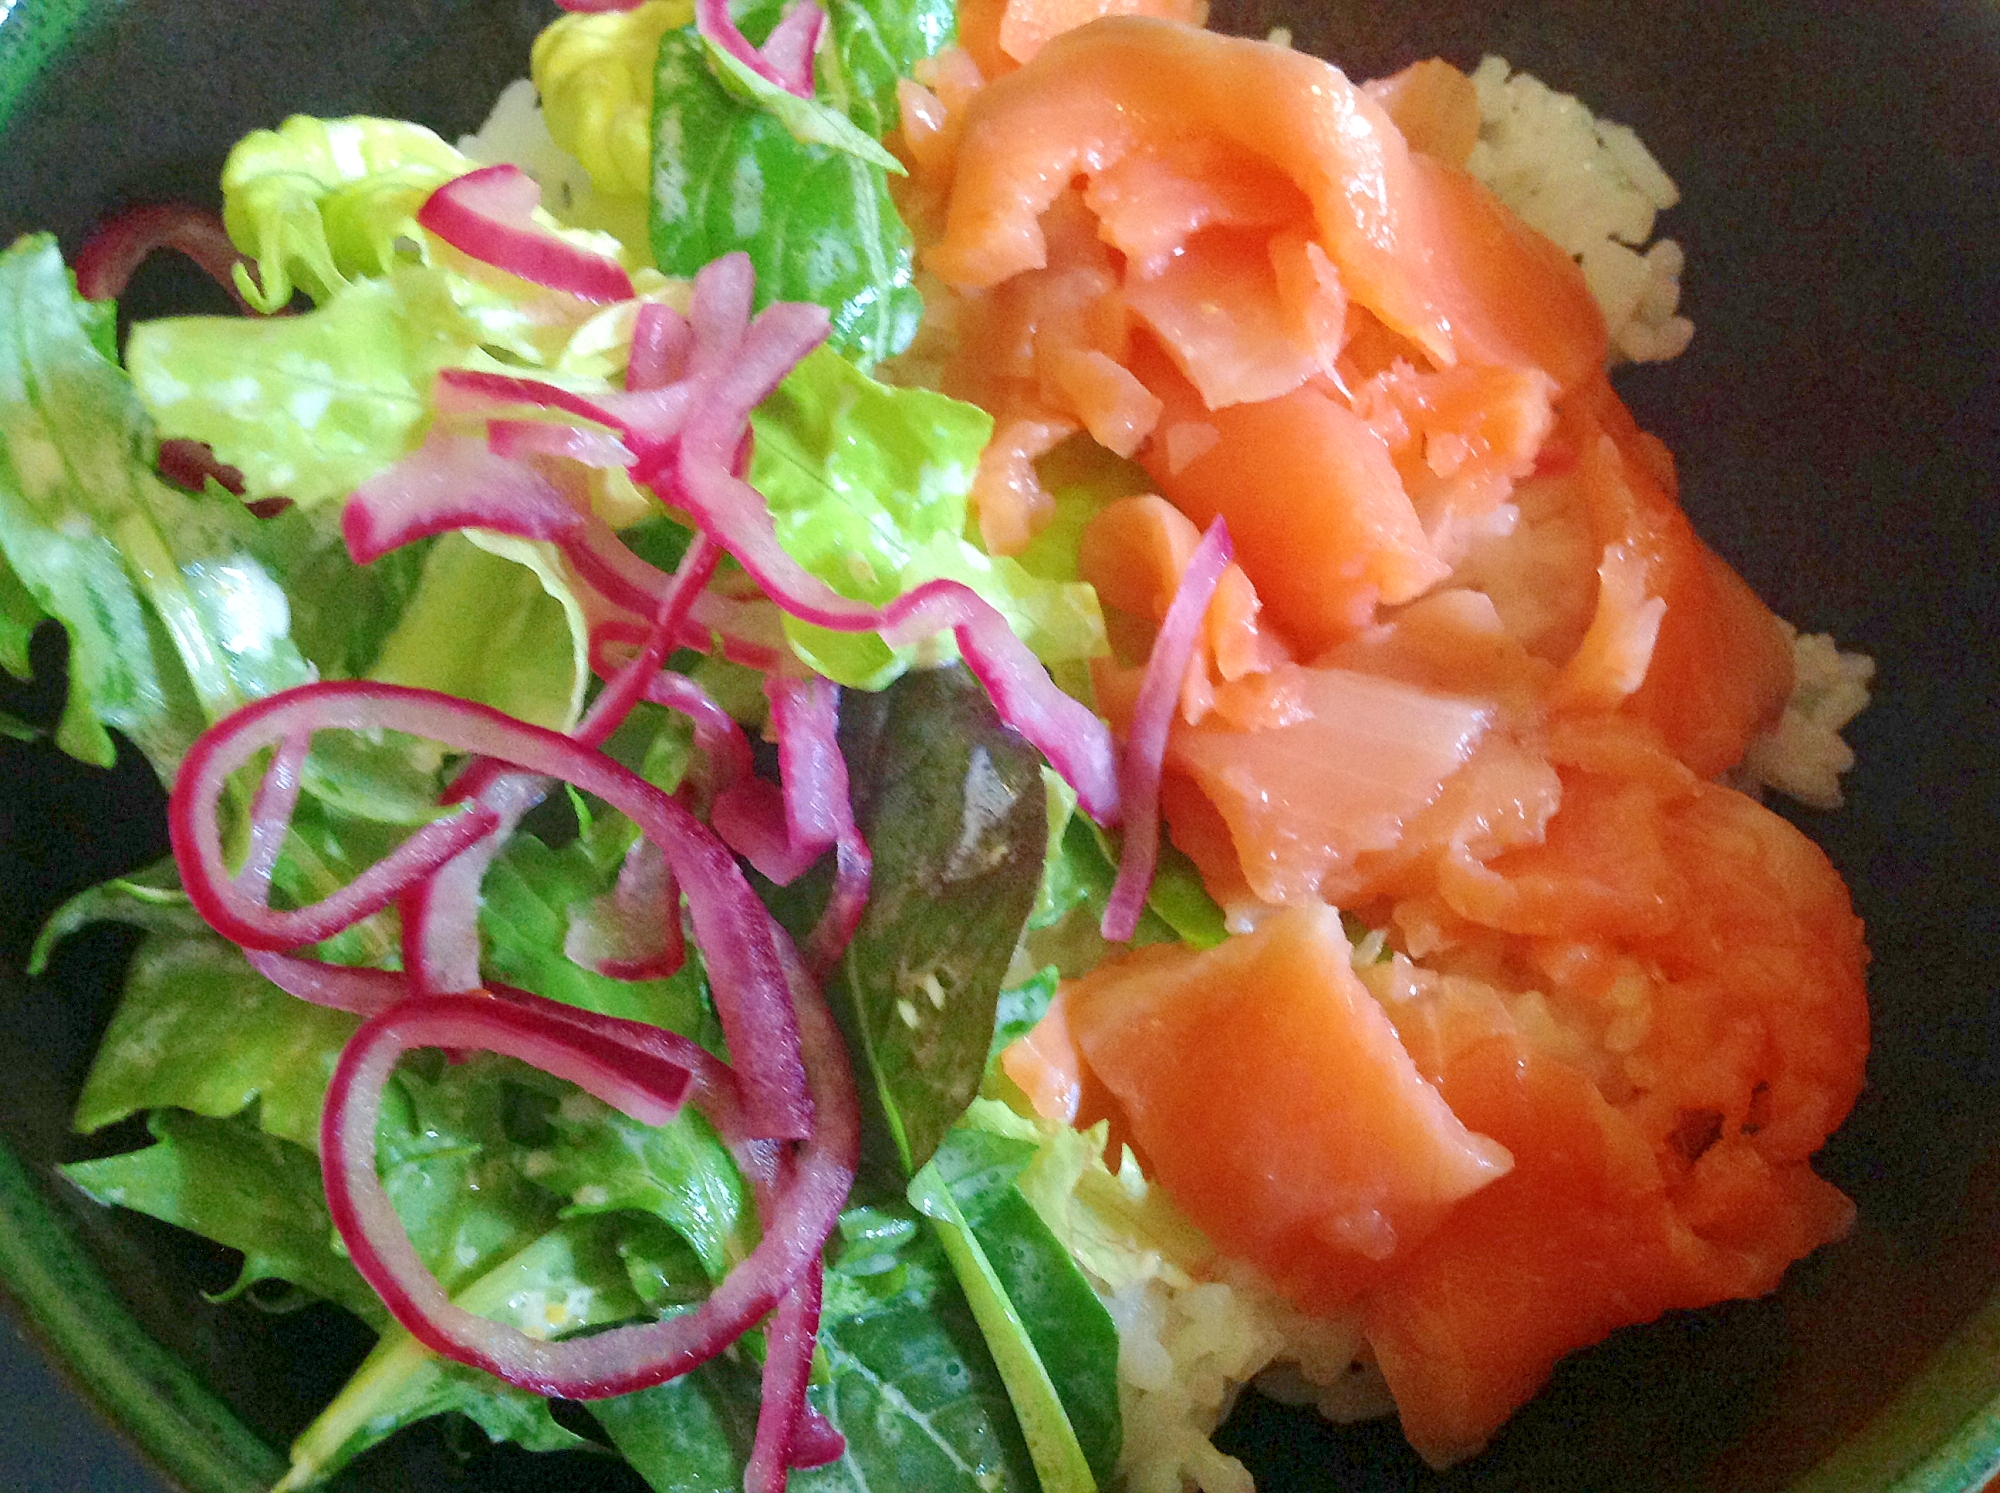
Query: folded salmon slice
x: 1271, y: 1097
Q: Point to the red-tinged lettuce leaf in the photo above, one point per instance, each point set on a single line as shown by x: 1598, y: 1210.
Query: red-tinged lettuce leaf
x: 952, y: 805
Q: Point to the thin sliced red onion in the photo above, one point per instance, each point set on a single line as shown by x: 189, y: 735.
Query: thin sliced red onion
x: 271, y: 814
x: 646, y: 419
x: 750, y: 818
x: 730, y: 925
x: 788, y: 1352
x: 452, y: 482
x: 713, y: 1084
x: 633, y: 932
x: 117, y: 246
x: 789, y: 49
x: 720, y: 740
x: 1152, y: 717
x: 339, y: 987
x: 804, y: 1207
x: 190, y: 464
x: 514, y: 439
x: 661, y: 343
x: 440, y: 912
x: 489, y: 214
x: 479, y: 1023
x: 712, y: 19
x: 815, y: 1443
x: 440, y: 915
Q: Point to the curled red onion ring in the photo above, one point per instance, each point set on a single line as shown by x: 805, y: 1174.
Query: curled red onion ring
x: 489, y: 214
x: 803, y: 1210
x: 338, y: 987
x: 730, y: 925
x: 1152, y: 717
x: 118, y: 245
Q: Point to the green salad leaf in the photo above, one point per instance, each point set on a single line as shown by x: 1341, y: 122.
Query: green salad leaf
x: 233, y: 1183
x: 493, y: 620
x: 1009, y: 1266
x: 566, y: 1280
x: 306, y: 407
x: 908, y: 1382
x: 816, y: 220
x: 953, y: 806
x: 524, y: 915
x: 867, y: 485
x: 172, y: 619
x: 198, y: 1029
x: 318, y: 201
x: 681, y: 1173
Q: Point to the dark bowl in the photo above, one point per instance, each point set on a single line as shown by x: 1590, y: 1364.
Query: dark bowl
x: 1838, y: 428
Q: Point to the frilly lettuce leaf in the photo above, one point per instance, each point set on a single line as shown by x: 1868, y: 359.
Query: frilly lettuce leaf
x: 595, y: 76
x: 867, y: 485
x: 321, y: 203
x: 233, y: 1183
x: 494, y: 620
x: 317, y: 202
x: 307, y: 407
x: 169, y: 1044
x: 172, y: 619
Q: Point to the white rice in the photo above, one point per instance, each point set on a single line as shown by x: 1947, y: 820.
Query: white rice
x: 1803, y: 756
x: 1593, y: 188
x: 516, y: 134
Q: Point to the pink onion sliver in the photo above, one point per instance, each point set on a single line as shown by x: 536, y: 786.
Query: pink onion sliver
x: 513, y: 439
x: 488, y: 214
x: 788, y: 1352
x: 730, y: 925
x: 1152, y: 718
x: 749, y: 815
x: 717, y: 736
x: 713, y: 1089
x: 339, y: 987
x: 854, y: 867
x: 662, y: 339
x: 271, y: 814
x: 646, y: 419
x: 801, y: 1216
x: 116, y: 247
x: 452, y: 482
x: 634, y: 931
x: 788, y: 50
x: 815, y: 1443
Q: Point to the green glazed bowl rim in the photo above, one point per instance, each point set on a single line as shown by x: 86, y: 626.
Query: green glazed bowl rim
x: 1939, y: 1434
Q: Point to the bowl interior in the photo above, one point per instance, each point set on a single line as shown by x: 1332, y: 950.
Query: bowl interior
x: 1838, y: 435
